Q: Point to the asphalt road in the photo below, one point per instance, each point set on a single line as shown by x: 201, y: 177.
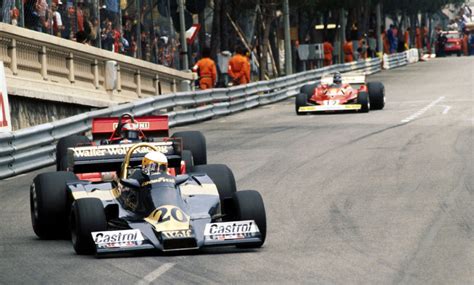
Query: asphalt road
x: 378, y: 198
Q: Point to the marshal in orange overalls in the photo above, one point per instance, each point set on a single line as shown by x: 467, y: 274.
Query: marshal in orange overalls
x: 328, y: 49
x: 348, y: 53
x: 239, y: 69
x: 206, y: 69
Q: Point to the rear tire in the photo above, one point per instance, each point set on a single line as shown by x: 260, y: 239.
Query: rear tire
x: 187, y: 157
x: 196, y: 143
x: 87, y: 216
x: 377, y: 95
x: 49, y: 206
x: 364, y: 101
x: 63, y: 145
x: 224, y: 179
x: 249, y: 206
x: 301, y: 100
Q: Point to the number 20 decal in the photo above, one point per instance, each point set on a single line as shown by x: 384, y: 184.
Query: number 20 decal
x: 167, y: 213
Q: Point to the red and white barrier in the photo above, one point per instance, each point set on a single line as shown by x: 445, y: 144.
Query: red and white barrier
x: 5, y: 119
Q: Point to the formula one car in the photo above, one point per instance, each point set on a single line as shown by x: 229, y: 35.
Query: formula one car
x: 127, y: 130
x: 347, y: 92
x: 453, y: 43
x: 151, y: 211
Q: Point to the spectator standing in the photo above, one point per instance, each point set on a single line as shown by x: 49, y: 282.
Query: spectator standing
x: 239, y: 67
x: 328, y: 50
x: 57, y: 20
x: 206, y: 69
x: 348, y: 51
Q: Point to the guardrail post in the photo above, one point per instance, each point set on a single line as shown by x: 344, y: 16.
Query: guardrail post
x: 138, y: 81
x: 70, y: 67
x: 95, y: 70
x: 13, y: 58
x: 156, y: 84
x: 44, y: 63
x: 119, y: 79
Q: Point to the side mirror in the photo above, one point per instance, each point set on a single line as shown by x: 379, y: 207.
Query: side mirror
x: 132, y: 183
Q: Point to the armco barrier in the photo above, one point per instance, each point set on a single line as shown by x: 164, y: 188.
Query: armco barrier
x: 400, y: 59
x: 32, y: 148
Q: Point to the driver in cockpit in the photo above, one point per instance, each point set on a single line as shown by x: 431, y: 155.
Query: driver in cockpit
x: 336, y: 80
x: 154, y: 164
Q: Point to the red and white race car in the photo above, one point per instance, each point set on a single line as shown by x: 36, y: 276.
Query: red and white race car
x: 347, y: 92
x: 115, y: 135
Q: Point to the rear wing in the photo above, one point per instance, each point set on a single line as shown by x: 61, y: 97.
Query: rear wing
x: 348, y: 78
x: 104, y: 158
x: 151, y: 126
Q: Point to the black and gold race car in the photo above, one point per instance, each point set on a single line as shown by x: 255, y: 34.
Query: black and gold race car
x: 163, y: 212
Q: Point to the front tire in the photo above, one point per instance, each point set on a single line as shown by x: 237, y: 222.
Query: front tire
x: 364, y: 101
x: 308, y: 89
x: 376, y: 95
x: 196, y: 143
x: 249, y: 206
x: 87, y: 216
x: 49, y: 204
x: 301, y: 100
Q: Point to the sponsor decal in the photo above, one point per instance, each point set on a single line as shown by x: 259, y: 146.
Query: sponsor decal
x: 159, y: 180
x: 111, y: 150
x: 329, y: 108
x: 141, y: 125
x: 231, y: 230
x: 117, y: 237
x: 168, y: 218
x: 177, y: 234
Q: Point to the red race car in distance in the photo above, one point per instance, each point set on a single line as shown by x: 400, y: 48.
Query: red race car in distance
x: 347, y: 92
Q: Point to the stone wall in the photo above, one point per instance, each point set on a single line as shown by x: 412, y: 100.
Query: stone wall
x: 27, y: 112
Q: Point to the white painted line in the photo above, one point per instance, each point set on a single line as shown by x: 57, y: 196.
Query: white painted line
x: 446, y: 110
x: 422, y: 111
x: 155, y: 274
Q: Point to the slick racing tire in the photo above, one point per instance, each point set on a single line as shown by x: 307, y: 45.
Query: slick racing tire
x: 87, y: 216
x: 187, y: 157
x: 301, y: 100
x: 377, y: 95
x: 63, y: 145
x: 249, y: 206
x: 364, y: 100
x: 196, y: 143
x: 224, y: 179
x: 308, y: 89
x: 49, y: 204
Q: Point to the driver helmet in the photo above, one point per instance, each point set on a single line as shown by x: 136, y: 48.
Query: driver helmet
x: 154, y: 162
x: 130, y: 131
x: 337, y: 79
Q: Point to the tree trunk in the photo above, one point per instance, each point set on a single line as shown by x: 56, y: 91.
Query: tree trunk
x: 216, y: 29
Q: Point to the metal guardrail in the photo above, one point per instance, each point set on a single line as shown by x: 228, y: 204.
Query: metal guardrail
x: 400, y: 59
x: 32, y: 148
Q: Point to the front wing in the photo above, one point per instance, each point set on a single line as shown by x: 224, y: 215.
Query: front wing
x: 324, y: 108
x: 211, y: 235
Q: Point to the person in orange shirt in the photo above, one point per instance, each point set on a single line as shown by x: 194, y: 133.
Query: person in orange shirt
x: 407, y: 38
x: 418, y: 42
x: 239, y: 67
x: 348, y: 52
x: 328, y: 49
x: 386, y: 44
x: 465, y: 44
x: 206, y: 69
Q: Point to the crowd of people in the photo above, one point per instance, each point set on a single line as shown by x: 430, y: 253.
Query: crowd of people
x: 104, y: 24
